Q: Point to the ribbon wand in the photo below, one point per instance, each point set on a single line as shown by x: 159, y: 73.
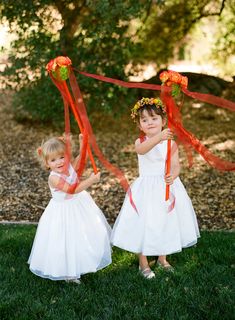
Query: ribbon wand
x: 59, y: 71
x: 168, y: 159
x: 79, y: 124
x: 172, y: 82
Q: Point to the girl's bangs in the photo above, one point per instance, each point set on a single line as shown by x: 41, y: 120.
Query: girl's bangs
x: 152, y: 110
x: 54, y: 149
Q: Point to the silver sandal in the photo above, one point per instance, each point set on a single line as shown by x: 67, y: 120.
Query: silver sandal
x: 77, y: 281
x: 147, y: 273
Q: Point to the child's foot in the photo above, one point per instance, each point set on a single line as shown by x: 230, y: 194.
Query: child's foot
x: 77, y: 281
x: 147, y: 273
x: 165, y: 265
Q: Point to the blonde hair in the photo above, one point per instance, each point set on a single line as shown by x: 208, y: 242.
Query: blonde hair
x: 52, y: 146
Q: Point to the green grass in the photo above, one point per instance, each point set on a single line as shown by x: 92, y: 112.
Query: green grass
x: 200, y: 288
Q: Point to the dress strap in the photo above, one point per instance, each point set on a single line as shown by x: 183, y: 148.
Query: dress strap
x: 52, y: 173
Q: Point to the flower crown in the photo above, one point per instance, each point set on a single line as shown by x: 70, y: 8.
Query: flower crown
x: 147, y: 102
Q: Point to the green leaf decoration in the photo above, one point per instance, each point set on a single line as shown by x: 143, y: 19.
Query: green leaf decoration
x: 175, y: 90
x: 64, y: 73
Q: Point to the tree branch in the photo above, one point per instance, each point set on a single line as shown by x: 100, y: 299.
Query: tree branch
x: 204, y: 15
x: 72, y: 18
x: 148, y: 11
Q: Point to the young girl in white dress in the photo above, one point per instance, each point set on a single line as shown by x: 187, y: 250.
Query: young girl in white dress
x: 73, y: 237
x: 153, y: 231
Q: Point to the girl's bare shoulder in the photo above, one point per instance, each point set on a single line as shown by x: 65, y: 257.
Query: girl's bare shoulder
x: 53, y: 180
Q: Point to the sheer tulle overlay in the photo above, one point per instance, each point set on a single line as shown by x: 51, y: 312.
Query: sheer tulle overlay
x: 154, y: 230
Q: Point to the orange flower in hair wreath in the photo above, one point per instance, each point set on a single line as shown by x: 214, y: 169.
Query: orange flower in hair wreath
x: 59, y: 68
x: 175, y: 80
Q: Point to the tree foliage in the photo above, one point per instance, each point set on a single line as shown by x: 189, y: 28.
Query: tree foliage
x: 224, y: 49
x: 168, y: 24
x: 100, y: 36
x: 94, y: 34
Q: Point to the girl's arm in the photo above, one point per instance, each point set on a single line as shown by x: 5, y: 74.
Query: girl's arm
x: 148, y: 144
x: 75, y: 162
x: 60, y: 184
x: 175, y: 166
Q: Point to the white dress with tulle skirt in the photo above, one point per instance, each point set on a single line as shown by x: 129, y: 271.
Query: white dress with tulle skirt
x: 72, y: 238
x: 153, y: 230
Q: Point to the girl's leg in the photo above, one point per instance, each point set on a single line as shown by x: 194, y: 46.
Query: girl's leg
x: 144, y: 267
x: 162, y: 260
x: 164, y: 263
x: 143, y: 262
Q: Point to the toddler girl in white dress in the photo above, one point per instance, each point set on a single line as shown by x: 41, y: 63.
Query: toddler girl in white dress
x: 73, y: 236
x: 153, y: 231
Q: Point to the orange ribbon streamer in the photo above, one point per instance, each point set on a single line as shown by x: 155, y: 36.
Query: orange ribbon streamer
x: 183, y: 136
x: 76, y: 115
x: 174, y: 118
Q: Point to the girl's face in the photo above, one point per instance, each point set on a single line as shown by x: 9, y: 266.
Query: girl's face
x: 56, y: 162
x: 151, y: 124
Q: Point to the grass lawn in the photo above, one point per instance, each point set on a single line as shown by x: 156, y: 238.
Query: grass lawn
x: 201, y: 287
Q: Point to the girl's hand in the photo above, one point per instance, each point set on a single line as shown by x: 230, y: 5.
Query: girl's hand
x: 169, y: 179
x: 166, y: 134
x: 80, y: 138
x: 95, y: 177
